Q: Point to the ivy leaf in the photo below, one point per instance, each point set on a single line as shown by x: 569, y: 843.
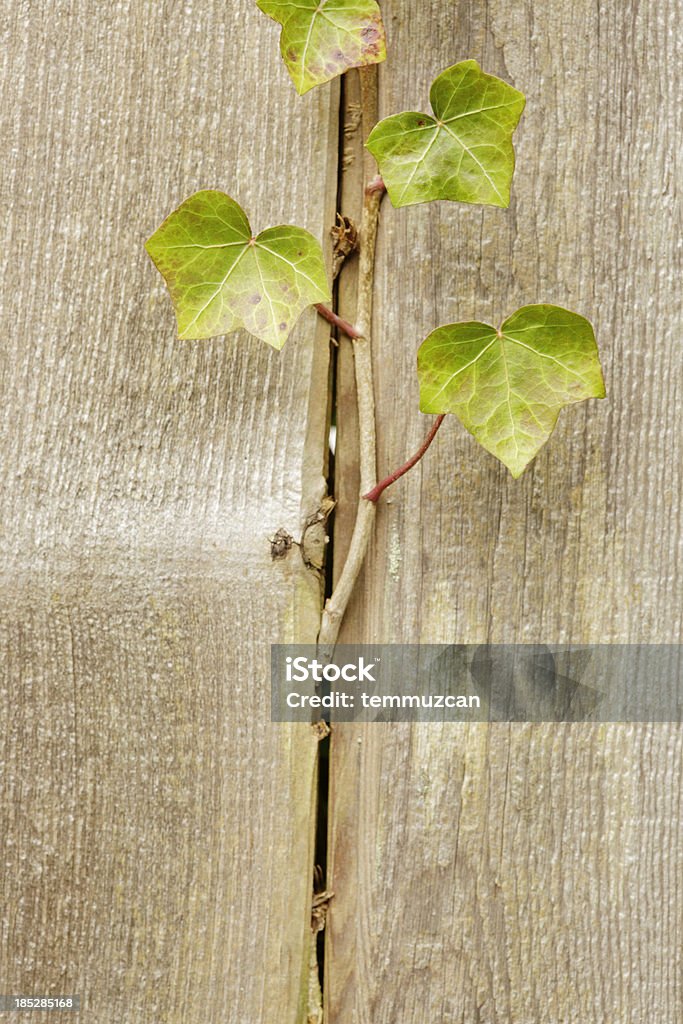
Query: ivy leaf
x: 464, y: 152
x: 321, y: 40
x: 508, y: 387
x: 222, y: 278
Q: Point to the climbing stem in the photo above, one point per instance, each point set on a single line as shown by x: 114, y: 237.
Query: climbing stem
x: 335, y: 607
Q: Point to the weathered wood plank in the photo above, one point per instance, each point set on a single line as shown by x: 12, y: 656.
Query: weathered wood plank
x: 524, y: 873
x: 157, y: 831
x: 505, y: 874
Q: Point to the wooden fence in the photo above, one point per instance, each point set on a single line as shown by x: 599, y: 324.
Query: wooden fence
x: 157, y: 830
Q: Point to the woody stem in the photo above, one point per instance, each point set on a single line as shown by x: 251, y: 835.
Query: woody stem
x: 335, y: 607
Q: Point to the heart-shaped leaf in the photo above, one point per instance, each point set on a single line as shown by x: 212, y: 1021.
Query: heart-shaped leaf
x: 464, y: 152
x: 222, y: 278
x: 321, y: 39
x: 508, y: 387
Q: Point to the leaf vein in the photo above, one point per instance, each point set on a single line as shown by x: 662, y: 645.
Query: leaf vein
x: 218, y: 289
x: 462, y: 369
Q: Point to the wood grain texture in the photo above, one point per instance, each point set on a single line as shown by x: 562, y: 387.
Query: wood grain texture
x: 156, y: 829
x: 526, y: 874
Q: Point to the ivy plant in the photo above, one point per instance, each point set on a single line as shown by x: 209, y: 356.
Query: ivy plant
x: 222, y: 277
x: 464, y: 152
x: 321, y: 40
x: 506, y: 385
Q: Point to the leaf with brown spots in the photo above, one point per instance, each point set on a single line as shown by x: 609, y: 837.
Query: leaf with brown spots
x: 222, y: 278
x: 321, y: 39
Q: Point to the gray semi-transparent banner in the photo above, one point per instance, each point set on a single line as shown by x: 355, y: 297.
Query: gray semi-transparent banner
x: 477, y: 683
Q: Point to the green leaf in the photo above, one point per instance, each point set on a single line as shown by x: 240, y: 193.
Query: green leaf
x: 508, y: 387
x: 464, y: 152
x: 321, y: 40
x: 222, y: 278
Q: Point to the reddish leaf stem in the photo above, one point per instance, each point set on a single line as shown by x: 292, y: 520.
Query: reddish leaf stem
x: 343, y: 325
x: 376, y: 185
x: 374, y: 494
